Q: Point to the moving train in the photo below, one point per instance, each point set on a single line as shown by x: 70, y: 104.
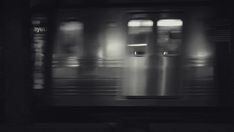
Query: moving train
x: 116, y: 65
x: 118, y: 56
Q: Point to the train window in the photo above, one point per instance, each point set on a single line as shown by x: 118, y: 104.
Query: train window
x: 140, y: 23
x: 170, y: 23
x: 112, y: 47
x: 169, y: 33
x: 69, y: 44
x: 139, y: 32
x: 68, y: 49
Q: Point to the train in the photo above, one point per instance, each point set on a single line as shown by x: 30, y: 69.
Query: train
x: 119, y: 56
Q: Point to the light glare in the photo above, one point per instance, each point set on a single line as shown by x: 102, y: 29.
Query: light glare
x: 169, y: 23
x: 71, y: 26
x: 136, y: 45
x: 140, y: 23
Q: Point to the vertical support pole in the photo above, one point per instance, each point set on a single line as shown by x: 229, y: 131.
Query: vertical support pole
x: 16, y: 19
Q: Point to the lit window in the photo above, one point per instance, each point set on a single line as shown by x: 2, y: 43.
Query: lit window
x: 140, y: 23
x: 136, y: 45
x: 71, y: 26
x: 169, y: 23
x: 139, y: 32
x: 169, y: 36
x: 69, y: 44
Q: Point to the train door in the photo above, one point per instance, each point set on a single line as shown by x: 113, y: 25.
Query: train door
x: 154, y: 43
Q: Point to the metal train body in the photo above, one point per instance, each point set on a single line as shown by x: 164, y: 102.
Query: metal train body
x: 131, y: 56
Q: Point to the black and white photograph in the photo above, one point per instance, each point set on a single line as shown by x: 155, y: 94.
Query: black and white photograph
x: 116, y: 66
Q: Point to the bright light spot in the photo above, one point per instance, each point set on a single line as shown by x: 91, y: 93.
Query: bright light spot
x: 200, y: 62
x: 200, y: 46
x: 71, y: 26
x: 165, y: 53
x: 140, y: 23
x: 73, y: 65
x: 72, y: 62
x: 169, y: 23
x: 199, y: 65
x: 202, y: 54
x: 135, y: 53
x: 114, y: 47
x: 100, y: 53
x: 136, y: 45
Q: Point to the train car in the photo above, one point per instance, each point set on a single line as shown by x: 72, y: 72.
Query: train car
x: 116, y: 65
x: 131, y: 56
